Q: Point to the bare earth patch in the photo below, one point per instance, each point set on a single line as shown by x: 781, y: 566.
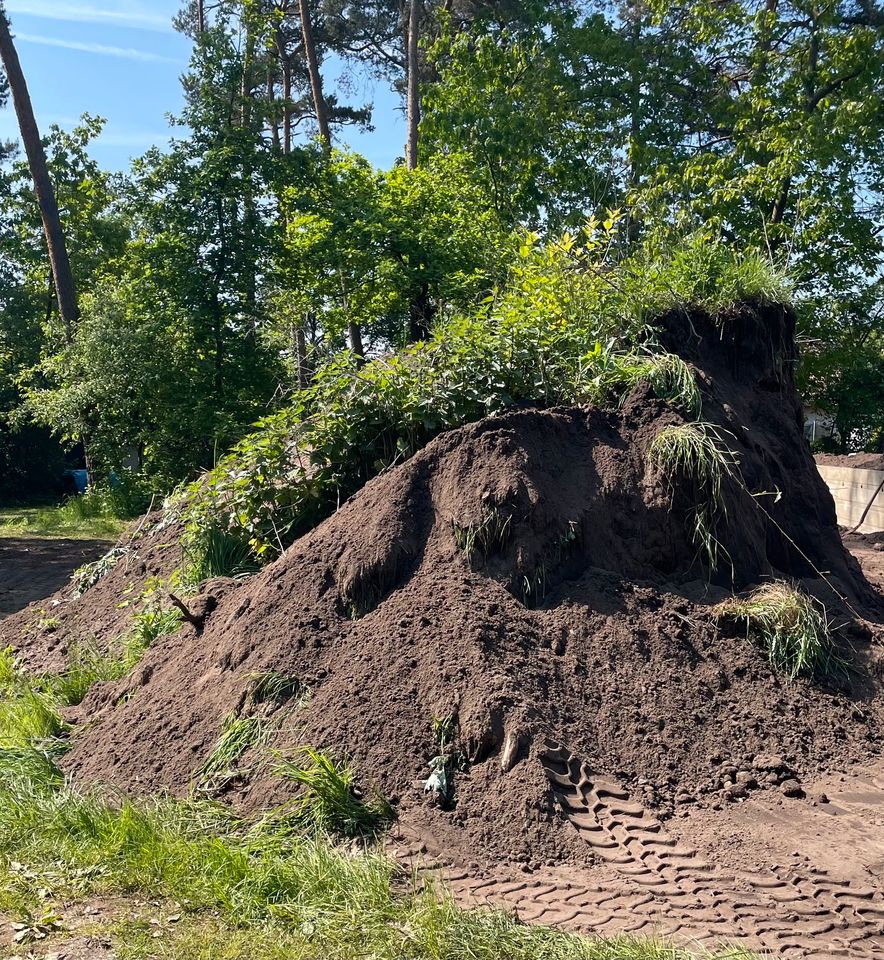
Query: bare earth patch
x: 32, y: 568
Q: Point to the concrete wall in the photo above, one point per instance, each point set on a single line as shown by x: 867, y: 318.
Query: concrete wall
x: 852, y: 488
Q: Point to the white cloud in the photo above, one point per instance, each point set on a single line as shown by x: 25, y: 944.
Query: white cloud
x: 102, y: 49
x: 135, y: 17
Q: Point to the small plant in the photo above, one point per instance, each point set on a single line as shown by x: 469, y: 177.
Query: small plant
x: 211, y: 550
x: 90, y: 573
x: 328, y: 801
x: 87, y: 665
x: 486, y: 537
x: 33, y: 929
x: 790, y: 625
x: 695, y: 451
x: 275, y: 687
x: 532, y: 589
x: 446, y: 761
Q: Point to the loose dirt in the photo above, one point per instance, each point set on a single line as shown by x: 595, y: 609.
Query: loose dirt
x: 32, y: 568
x: 532, y: 580
x: 860, y: 461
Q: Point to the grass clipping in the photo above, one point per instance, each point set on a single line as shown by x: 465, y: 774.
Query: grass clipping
x: 788, y: 624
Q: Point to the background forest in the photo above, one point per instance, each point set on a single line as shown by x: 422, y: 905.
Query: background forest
x: 221, y: 276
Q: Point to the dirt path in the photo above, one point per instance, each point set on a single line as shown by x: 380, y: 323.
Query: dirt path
x: 789, y: 877
x: 32, y: 568
x: 868, y: 548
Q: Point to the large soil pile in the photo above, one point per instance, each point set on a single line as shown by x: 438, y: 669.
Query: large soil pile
x: 580, y: 617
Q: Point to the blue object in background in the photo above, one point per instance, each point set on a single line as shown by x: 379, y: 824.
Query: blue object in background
x: 80, y: 478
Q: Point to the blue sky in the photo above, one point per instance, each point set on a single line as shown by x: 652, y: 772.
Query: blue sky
x: 121, y: 60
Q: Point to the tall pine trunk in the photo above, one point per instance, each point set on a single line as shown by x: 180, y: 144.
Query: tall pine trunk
x: 412, y: 99
x: 58, y: 254
x: 319, y: 104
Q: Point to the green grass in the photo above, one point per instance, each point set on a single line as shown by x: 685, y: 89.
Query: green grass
x: 327, y: 802
x: 238, y: 735
x: 266, y: 890
x: 269, y: 893
x: 66, y: 521
x: 695, y: 452
x: 789, y: 625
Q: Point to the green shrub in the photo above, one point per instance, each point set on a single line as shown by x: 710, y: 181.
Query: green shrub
x: 790, y: 626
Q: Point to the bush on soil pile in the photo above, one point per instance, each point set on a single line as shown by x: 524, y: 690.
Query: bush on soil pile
x: 788, y: 624
x: 571, y: 326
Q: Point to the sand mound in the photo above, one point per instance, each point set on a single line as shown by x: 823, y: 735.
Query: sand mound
x: 527, y: 577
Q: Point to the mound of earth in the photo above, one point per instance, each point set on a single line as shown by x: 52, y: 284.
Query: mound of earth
x: 859, y: 461
x: 532, y: 579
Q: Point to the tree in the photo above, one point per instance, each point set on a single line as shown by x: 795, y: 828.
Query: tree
x: 58, y: 255
x: 367, y: 246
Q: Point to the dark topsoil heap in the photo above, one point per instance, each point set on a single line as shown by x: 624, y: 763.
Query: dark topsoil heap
x: 588, y: 621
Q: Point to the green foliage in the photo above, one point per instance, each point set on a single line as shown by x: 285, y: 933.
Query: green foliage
x: 238, y: 735
x: 327, y: 802
x: 789, y: 625
x: 211, y: 550
x: 570, y: 326
x: 366, y: 247
x: 85, y: 577
x: 695, y: 452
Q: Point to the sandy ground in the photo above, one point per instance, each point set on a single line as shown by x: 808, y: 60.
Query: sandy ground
x: 32, y: 567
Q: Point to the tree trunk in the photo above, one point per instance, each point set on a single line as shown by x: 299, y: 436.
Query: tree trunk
x: 356, y: 344
x: 420, y: 315
x: 271, y: 99
x: 247, y: 86
x: 633, y: 227
x: 412, y: 101
x: 286, y: 67
x: 319, y: 105
x: 200, y: 16
x: 301, y: 353
x: 58, y: 254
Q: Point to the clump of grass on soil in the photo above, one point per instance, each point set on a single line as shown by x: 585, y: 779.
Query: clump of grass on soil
x: 790, y: 625
x: 694, y: 451
x: 238, y: 735
x: 328, y: 802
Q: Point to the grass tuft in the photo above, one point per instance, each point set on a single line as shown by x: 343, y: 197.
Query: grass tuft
x: 328, y: 802
x: 484, y: 538
x: 212, y: 551
x: 238, y: 735
x: 694, y: 451
x: 790, y: 625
